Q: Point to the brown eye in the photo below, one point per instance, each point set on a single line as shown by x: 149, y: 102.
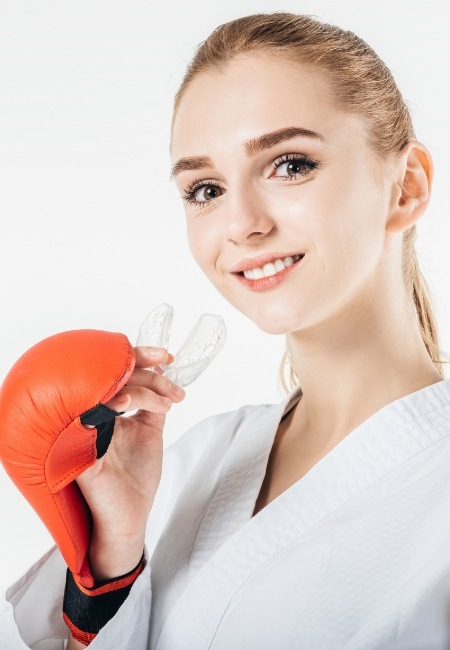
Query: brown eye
x: 202, y: 192
x: 293, y: 166
x: 207, y: 193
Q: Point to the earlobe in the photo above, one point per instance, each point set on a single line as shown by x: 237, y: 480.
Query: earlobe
x: 413, y: 187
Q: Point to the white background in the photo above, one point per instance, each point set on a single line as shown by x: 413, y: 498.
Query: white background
x: 92, y: 231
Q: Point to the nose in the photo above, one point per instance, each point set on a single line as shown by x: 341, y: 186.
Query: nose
x: 248, y: 218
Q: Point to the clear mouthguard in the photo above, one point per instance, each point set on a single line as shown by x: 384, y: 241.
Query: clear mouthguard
x: 201, y: 346
x: 155, y: 330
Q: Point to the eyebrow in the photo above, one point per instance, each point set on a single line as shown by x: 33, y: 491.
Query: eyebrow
x: 251, y: 147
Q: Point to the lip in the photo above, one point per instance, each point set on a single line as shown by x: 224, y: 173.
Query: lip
x: 272, y: 281
x: 260, y: 260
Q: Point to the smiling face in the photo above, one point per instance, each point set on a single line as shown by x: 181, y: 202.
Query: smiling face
x: 270, y: 170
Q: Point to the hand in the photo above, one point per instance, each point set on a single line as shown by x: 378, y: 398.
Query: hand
x: 121, y: 486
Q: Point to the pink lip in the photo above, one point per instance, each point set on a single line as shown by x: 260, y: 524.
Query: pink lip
x: 260, y: 260
x: 263, y: 284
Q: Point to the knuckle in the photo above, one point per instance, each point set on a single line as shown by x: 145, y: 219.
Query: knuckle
x: 154, y: 379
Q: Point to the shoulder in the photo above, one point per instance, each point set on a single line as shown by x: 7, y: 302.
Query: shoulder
x: 215, y: 430
x: 218, y: 432
x: 205, y: 446
x: 221, y: 428
x: 202, y: 448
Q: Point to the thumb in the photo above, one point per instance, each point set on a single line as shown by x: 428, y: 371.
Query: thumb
x: 148, y: 357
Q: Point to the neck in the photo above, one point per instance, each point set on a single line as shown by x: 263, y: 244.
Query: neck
x: 365, y: 357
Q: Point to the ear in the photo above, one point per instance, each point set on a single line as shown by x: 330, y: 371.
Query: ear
x: 412, y: 189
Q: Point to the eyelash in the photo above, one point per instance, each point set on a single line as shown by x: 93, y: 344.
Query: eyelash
x: 305, y: 160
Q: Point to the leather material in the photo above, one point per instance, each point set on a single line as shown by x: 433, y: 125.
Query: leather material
x: 43, y: 444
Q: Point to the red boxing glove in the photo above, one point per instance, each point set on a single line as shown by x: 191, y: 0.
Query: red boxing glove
x: 49, y: 396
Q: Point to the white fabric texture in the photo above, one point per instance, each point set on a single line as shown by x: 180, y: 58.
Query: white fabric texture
x: 355, y: 555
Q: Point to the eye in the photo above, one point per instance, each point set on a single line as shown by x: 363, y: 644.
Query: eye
x: 201, y: 192
x: 291, y: 166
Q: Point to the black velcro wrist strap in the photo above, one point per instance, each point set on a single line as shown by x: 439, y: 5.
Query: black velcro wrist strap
x: 86, y: 611
x: 103, y: 419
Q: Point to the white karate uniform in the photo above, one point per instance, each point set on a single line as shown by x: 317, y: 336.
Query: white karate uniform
x: 355, y: 555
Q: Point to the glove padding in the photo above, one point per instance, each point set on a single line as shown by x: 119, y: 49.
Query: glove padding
x: 49, y: 396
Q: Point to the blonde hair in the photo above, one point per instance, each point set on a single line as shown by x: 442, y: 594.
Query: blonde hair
x: 362, y: 85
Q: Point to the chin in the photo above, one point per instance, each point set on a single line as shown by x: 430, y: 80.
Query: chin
x: 277, y: 324
x: 273, y: 318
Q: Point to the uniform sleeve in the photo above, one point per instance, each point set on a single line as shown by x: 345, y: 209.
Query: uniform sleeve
x: 31, y: 611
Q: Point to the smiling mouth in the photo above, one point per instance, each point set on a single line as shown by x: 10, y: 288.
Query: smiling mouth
x: 270, y: 268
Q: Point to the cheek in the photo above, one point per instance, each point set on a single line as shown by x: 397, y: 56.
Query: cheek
x: 340, y: 218
x: 353, y: 209
x: 194, y: 246
x: 355, y: 237
x: 202, y: 245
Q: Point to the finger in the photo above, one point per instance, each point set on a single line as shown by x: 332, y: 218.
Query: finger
x: 153, y: 420
x: 156, y: 382
x: 120, y: 403
x: 148, y: 357
x: 140, y: 398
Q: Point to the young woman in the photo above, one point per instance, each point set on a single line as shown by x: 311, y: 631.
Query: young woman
x: 323, y: 521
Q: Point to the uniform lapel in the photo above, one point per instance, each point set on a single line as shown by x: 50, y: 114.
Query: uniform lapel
x: 243, y: 473
x: 217, y: 500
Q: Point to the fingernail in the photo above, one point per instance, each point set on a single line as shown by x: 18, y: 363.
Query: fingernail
x: 165, y: 401
x: 176, y: 390
x: 155, y: 353
x: 170, y: 359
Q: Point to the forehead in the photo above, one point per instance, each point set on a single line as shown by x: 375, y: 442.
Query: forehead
x: 255, y: 94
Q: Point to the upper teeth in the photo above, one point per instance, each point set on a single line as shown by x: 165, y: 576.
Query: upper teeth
x: 270, y: 268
